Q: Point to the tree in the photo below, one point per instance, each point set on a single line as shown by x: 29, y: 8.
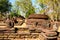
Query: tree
x: 5, y: 6
x: 25, y: 6
x: 53, y: 5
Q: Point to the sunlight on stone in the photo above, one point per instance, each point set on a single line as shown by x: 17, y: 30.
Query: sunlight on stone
x: 22, y: 26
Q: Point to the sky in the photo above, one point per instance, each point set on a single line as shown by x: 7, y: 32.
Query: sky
x: 36, y: 5
x: 12, y: 1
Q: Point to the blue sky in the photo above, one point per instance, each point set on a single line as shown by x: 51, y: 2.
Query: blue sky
x: 12, y: 1
x: 36, y: 5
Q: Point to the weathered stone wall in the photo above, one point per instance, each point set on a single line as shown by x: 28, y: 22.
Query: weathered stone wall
x: 37, y: 23
x: 16, y: 36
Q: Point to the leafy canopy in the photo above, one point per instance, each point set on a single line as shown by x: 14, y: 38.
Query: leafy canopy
x: 25, y: 6
x: 5, y: 5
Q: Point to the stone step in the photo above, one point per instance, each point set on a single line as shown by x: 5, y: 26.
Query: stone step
x: 3, y: 24
x: 4, y: 39
x: 3, y: 27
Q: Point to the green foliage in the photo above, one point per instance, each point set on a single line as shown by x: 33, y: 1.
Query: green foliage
x: 12, y: 14
x: 25, y: 6
x: 31, y: 11
x: 5, y: 5
x: 42, y: 5
x: 42, y: 11
x: 54, y: 5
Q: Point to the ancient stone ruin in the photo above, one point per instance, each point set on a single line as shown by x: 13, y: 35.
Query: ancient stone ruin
x: 35, y: 27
